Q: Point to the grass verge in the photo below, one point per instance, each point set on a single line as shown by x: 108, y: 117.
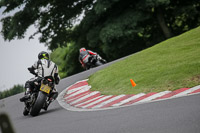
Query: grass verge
x: 169, y: 65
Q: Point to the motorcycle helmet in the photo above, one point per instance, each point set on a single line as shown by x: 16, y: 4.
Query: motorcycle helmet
x: 82, y: 49
x: 43, y: 55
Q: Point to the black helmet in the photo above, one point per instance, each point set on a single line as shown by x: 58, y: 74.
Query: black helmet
x: 43, y: 55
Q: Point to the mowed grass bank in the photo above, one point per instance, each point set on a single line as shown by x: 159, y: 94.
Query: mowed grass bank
x: 169, y: 65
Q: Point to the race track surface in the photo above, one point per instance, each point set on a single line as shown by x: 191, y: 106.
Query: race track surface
x: 179, y: 115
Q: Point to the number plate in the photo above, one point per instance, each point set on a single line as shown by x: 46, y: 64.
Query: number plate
x: 45, y: 88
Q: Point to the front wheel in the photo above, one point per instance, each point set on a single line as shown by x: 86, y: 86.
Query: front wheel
x: 98, y: 63
x: 41, y: 99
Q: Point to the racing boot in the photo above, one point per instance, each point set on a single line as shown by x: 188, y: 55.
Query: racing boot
x: 46, y: 105
x: 27, y: 95
x: 26, y: 111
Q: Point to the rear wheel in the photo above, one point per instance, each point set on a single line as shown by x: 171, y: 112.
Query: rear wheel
x: 39, y: 103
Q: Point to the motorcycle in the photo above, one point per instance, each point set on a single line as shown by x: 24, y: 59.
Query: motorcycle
x: 40, y: 96
x: 92, y: 61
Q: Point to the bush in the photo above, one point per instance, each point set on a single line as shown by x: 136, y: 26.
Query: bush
x: 15, y: 90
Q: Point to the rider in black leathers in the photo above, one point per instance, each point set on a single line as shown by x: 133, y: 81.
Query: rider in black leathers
x: 83, y: 52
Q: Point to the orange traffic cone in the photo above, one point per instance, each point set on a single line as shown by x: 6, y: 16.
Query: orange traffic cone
x: 133, y: 83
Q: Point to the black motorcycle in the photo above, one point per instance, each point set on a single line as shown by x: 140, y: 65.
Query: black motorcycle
x: 40, y: 96
x: 92, y: 61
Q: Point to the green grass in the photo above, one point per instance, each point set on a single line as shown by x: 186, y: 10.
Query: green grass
x: 169, y: 65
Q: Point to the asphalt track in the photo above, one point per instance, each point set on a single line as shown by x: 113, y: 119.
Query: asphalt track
x: 178, y: 115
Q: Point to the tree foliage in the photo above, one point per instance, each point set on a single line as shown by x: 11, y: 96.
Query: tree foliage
x: 67, y: 60
x: 15, y: 90
x: 52, y: 18
x: 121, y: 27
x: 113, y: 28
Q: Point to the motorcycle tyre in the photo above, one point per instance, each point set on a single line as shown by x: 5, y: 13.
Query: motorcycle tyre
x: 98, y: 63
x: 39, y: 103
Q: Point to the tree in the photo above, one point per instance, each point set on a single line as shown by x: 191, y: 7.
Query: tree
x: 118, y: 28
x: 67, y: 60
x: 53, y: 19
x: 113, y: 28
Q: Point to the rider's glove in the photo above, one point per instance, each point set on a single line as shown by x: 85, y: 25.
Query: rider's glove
x: 32, y: 71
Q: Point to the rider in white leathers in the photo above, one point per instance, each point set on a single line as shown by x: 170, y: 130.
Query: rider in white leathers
x: 41, y: 68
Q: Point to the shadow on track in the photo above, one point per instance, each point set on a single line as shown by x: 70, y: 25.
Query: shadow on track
x: 50, y: 111
x: 42, y: 113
